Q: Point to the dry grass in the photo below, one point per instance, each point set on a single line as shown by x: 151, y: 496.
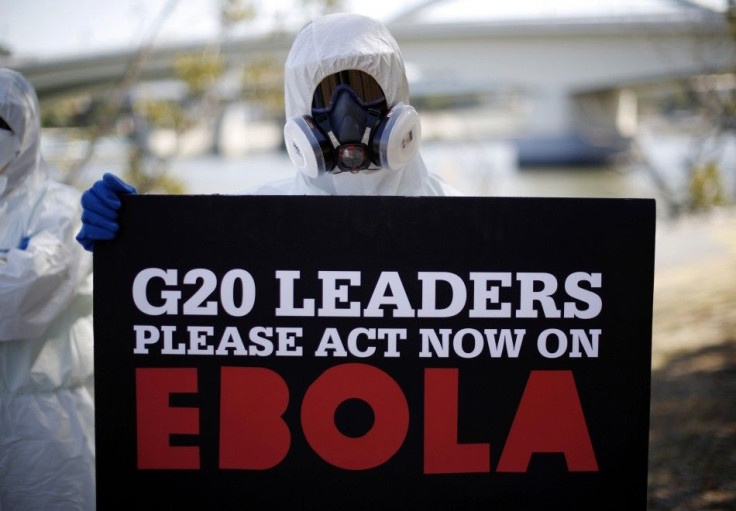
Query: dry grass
x: 692, y: 454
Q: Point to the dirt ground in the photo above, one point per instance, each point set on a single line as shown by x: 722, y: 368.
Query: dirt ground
x: 692, y: 452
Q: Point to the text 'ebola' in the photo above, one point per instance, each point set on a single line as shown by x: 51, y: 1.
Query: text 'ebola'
x: 253, y: 434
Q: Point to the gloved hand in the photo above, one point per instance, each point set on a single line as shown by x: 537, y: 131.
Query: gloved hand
x: 100, y: 205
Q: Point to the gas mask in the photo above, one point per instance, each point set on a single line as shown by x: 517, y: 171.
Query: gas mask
x: 9, y: 148
x: 351, y: 128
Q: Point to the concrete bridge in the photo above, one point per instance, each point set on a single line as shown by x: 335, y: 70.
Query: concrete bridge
x: 563, y: 83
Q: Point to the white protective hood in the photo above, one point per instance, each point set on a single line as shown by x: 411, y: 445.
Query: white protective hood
x: 19, y: 108
x: 46, y: 357
x: 338, y: 42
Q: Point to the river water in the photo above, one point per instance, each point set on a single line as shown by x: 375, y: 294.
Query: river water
x: 482, y: 168
x: 476, y: 169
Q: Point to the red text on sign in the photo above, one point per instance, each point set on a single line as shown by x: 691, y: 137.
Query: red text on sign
x: 255, y: 436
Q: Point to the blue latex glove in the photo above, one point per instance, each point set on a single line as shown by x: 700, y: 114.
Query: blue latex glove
x: 22, y: 246
x: 100, y: 205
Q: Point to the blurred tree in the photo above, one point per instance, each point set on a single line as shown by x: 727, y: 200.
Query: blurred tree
x: 200, y: 72
x: 706, y: 188
x: 164, y: 114
x: 66, y: 112
x: 233, y: 12
x: 710, y: 99
x: 263, y: 84
x: 115, y: 103
x: 324, y: 6
x: 714, y: 96
x: 134, y: 117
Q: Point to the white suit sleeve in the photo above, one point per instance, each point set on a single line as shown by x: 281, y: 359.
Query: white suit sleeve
x: 38, y: 283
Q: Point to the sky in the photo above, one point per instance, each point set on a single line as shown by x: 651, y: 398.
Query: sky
x: 59, y: 28
x: 54, y: 28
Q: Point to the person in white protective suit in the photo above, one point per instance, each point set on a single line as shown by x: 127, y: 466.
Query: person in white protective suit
x: 342, y: 67
x: 349, y: 129
x: 47, y: 453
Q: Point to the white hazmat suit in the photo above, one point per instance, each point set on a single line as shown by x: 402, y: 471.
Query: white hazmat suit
x: 46, y: 357
x: 339, y: 42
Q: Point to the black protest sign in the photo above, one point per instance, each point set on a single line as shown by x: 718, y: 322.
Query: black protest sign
x: 374, y: 353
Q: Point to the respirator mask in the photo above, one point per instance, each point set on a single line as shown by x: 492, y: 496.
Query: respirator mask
x: 9, y: 146
x: 351, y: 128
